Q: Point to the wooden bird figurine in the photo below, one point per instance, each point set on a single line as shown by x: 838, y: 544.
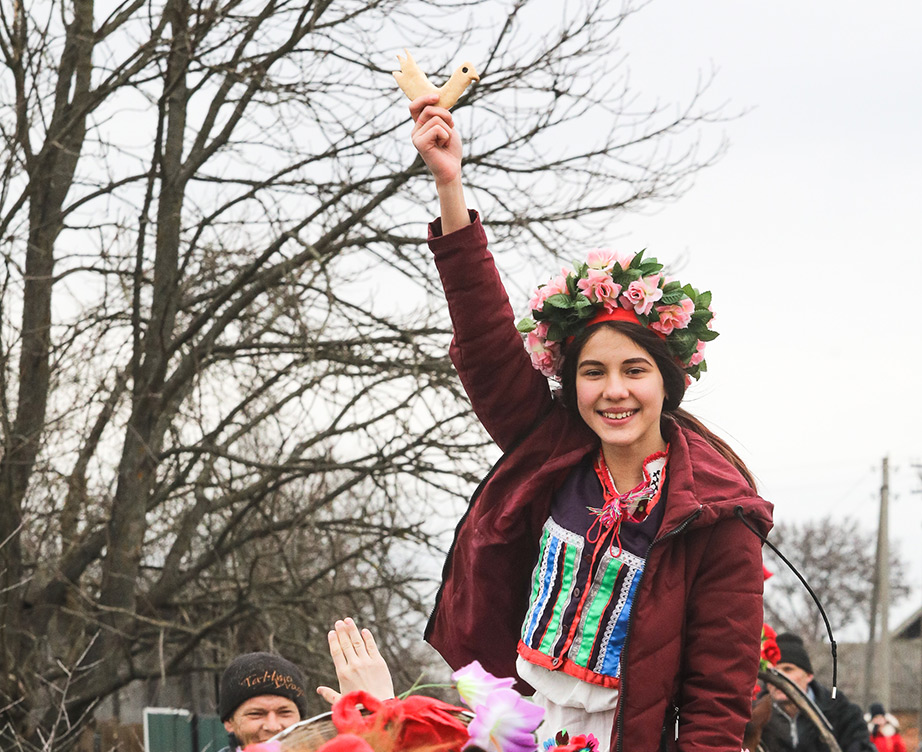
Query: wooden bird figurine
x: 414, y: 82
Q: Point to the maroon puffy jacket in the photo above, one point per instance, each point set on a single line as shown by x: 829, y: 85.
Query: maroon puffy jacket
x: 692, y: 650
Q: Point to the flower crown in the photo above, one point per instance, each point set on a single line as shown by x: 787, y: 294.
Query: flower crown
x: 613, y: 286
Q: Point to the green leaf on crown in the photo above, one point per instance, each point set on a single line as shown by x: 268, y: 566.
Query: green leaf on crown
x: 649, y: 267
x: 571, y: 284
x: 638, y: 258
x: 559, y: 301
x: 672, y: 297
x: 555, y: 332
x: 703, y: 315
x: 526, y: 325
x: 683, y: 340
x: 692, y: 293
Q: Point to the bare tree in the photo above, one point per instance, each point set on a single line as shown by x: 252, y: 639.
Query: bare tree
x: 225, y: 407
x: 836, y: 557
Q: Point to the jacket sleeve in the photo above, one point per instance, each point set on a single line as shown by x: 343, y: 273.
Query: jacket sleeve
x: 722, y: 641
x: 849, y: 728
x: 507, y: 394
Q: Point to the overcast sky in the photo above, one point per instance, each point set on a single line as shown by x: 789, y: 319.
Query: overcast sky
x: 808, y: 233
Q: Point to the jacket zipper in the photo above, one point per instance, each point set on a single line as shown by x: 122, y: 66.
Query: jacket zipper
x: 619, y: 725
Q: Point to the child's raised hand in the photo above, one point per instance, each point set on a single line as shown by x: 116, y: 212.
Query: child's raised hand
x: 436, y: 139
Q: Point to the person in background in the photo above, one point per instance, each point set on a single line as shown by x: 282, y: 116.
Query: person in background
x: 262, y: 694
x: 788, y: 730
x: 884, y: 730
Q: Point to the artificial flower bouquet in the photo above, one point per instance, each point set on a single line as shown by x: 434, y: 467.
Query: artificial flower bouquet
x: 496, y: 719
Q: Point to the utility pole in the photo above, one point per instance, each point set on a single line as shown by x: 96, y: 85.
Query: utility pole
x: 884, y: 569
x: 880, y: 601
x: 918, y: 469
x: 872, y: 634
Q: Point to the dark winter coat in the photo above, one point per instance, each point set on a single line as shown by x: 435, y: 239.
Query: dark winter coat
x: 846, y: 719
x: 693, y: 641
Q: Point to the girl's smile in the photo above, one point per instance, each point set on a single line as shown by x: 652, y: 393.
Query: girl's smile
x: 619, y: 394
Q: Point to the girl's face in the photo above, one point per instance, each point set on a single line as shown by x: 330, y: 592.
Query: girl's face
x: 620, y: 393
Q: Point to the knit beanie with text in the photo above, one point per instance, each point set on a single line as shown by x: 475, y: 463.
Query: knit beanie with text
x: 255, y: 674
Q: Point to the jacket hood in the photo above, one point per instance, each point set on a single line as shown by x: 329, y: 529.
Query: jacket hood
x: 703, y: 483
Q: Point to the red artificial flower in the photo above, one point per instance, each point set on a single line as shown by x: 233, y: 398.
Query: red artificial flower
x: 563, y: 742
x: 578, y: 744
x: 771, y: 652
x: 345, y: 743
x: 411, y: 723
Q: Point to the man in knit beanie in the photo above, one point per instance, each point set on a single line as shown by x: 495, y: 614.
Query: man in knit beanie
x: 260, y: 694
x: 790, y: 731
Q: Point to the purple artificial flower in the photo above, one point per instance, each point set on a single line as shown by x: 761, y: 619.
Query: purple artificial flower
x: 506, y: 723
x: 474, y: 684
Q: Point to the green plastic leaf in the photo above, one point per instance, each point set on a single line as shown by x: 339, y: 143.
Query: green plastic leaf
x: 571, y: 284
x: 560, y: 301
x: 526, y: 325
x: 683, y: 339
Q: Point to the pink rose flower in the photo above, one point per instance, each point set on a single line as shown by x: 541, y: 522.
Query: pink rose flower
x: 698, y: 355
x: 605, y: 258
x: 676, y: 316
x: 544, y: 355
x: 558, y: 285
x: 600, y: 288
x: 641, y: 294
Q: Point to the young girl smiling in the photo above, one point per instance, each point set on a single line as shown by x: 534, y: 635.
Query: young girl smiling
x: 602, y: 560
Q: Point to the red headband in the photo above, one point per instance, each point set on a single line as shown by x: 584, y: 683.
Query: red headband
x: 620, y: 314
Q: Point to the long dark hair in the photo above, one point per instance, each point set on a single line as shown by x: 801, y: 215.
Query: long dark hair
x: 673, y: 385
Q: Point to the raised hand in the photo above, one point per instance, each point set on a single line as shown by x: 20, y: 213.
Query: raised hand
x: 439, y: 144
x: 436, y: 139
x: 359, y: 665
